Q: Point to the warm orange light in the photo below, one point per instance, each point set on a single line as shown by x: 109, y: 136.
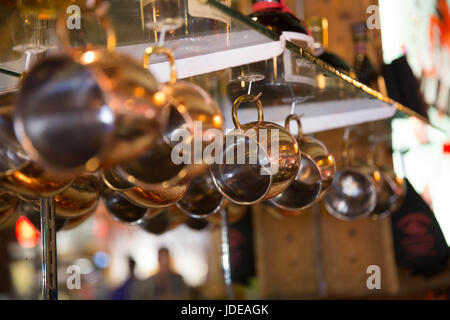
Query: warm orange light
x: 26, y: 233
x: 217, y: 121
x: 88, y: 57
x: 377, y: 176
x: 21, y: 177
x: 159, y: 98
x: 331, y: 160
x: 182, y: 108
x: 321, y: 81
x: 139, y: 92
x: 43, y: 16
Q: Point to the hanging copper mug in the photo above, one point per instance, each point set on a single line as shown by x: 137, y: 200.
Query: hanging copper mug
x: 391, y: 192
x: 100, y: 108
x: 154, y: 179
x: 121, y: 209
x: 18, y: 174
x: 156, y: 172
x: 260, y: 159
x: 78, y: 199
x: 12, y: 155
x: 353, y: 194
x: 169, y: 219
x: 202, y: 198
x: 390, y: 188
x: 316, y: 170
x: 306, y: 187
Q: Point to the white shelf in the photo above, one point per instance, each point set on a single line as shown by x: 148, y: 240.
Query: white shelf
x: 320, y: 116
x: 205, y: 54
x: 211, y: 53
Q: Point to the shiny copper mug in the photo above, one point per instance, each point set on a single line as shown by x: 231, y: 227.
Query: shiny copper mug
x: 18, y: 174
x: 202, y: 198
x: 154, y: 180
x: 121, y: 209
x: 305, y: 189
x: 158, y: 197
x: 391, y: 192
x: 169, y: 219
x: 317, y: 170
x: 260, y: 159
x: 100, y: 108
x: 80, y: 198
x: 390, y: 188
x: 12, y: 155
x: 353, y: 193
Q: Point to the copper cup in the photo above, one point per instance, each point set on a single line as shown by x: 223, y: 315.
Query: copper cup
x: 391, y: 192
x: 121, y: 209
x: 169, y: 219
x: 353, y: 194
x: 260, y: 159
x: 18, y: 173
x: 202, y: 198
x: 153, y: 179
x: 305, y: 189
x: 100, y: 108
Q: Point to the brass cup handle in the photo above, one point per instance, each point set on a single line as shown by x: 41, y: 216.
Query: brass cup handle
x: 346, y: 146
x: 371, y: 161
x: 63, y: 34
x: 294, y: 117
x: 247, y: 98
x: 165, y: 51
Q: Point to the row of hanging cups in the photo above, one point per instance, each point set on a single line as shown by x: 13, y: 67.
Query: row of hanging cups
x: 300, y: 178
x: 362, y: 189
x: 98, y: 109
x: 119, y: 119
x: 23, y: 183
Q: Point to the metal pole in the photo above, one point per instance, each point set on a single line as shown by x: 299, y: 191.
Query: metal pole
x: 323, y: 287
x: 49, y: 257
x: 226, y: 261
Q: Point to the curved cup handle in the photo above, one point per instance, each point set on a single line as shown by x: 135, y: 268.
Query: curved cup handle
x: 247, y: 98
x: 165, y: 51
x: 297, y: 118
x: 346, y: 147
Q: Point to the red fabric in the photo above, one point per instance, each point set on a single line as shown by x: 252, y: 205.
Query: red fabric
x: 447, y: 147
x: 261, y: 6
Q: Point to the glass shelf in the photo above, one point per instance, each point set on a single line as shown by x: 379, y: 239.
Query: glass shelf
x: 235, y: 45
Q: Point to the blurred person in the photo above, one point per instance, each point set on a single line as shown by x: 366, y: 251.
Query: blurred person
x: 127, y: 291
x: 166, y: 284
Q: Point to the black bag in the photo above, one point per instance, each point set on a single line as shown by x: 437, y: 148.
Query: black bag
x: 403, y: 86
x: 419, y: 242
